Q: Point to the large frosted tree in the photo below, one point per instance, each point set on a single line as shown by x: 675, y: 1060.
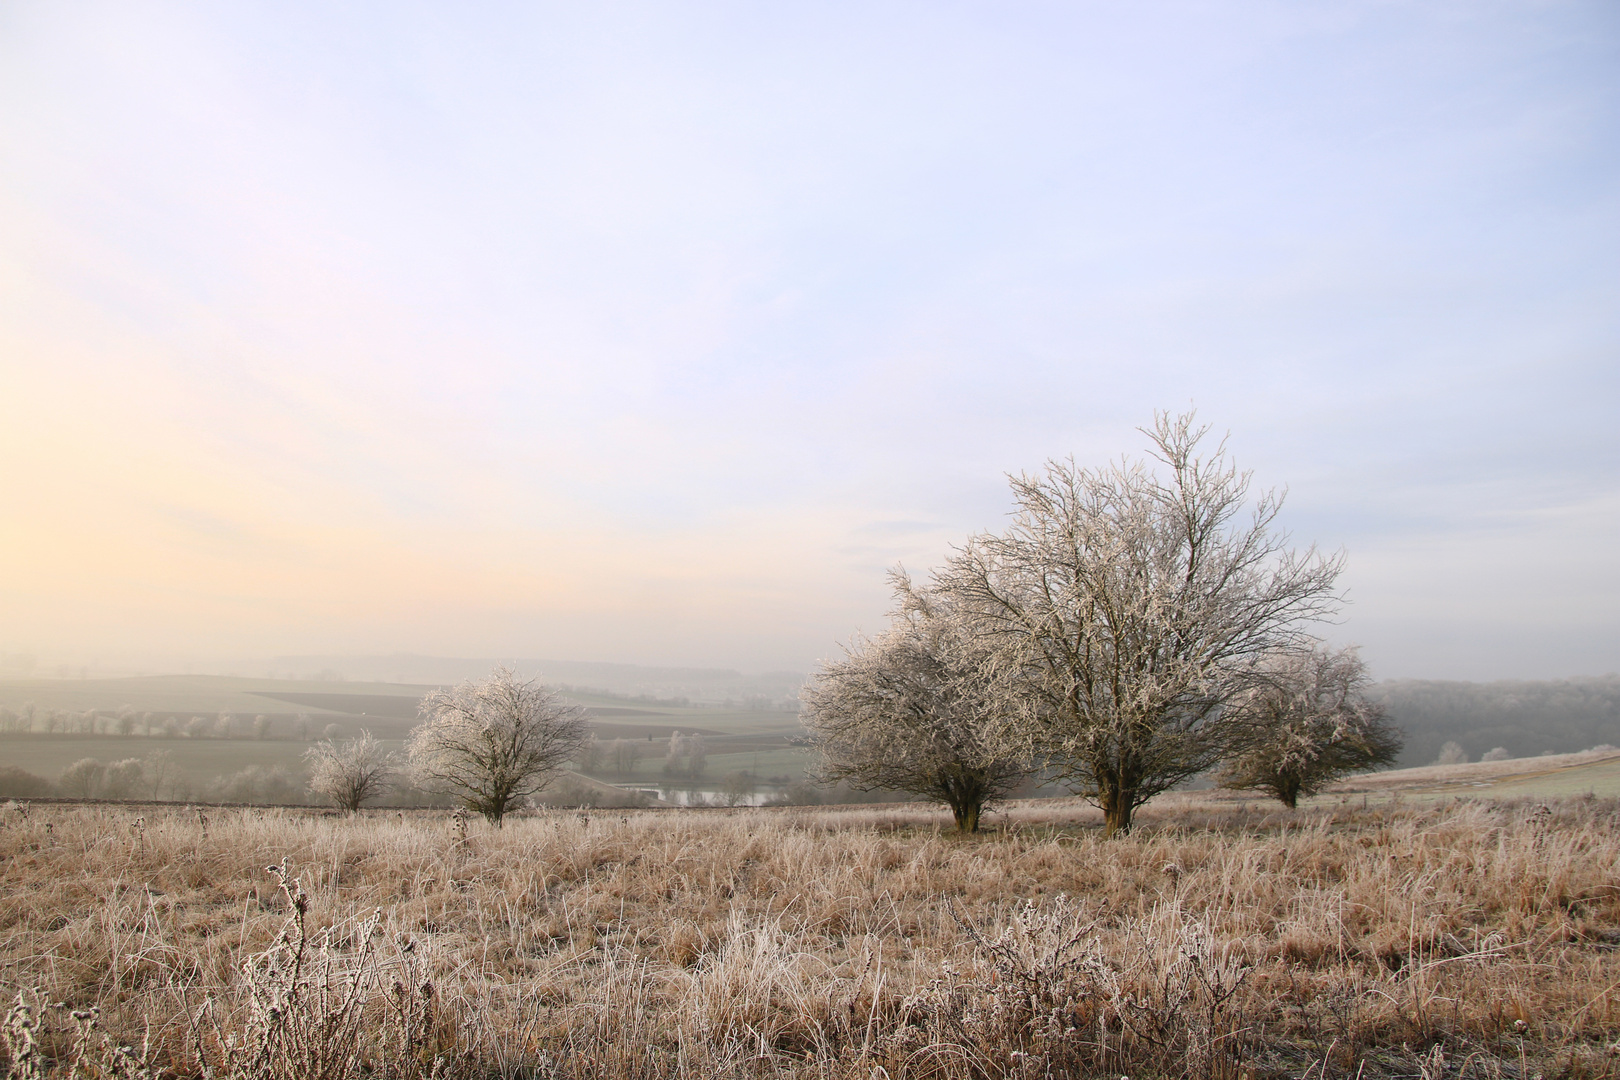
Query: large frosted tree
x: 1127, y: 605
x: 911, y: 710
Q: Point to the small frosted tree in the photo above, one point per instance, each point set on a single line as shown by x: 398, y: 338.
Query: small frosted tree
x: 590, y: 755
x: 159, y: 772
x: 350, y: 772
x: 123, y: 778
x: 494, y: 742
x: 675, y: 754
x: 911, y: 710
x: 1309, y: 723
x: 623, y: 755
x: 737, y: 788
x: 82, y: 779
x: 1452, y: 753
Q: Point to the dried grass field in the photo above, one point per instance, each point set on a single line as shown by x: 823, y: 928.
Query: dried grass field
x: 1463, y: 939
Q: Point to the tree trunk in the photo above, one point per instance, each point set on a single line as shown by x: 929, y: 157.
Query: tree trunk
x: 967, y: 815
x: 1116, y: 808
x: 1289, y: 794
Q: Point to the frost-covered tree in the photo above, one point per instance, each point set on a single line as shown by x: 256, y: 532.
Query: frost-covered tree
x: 123, y: 778
x: 349, y: 772
x: 590, y: 755
x: 82, y: 779
x: 1125, y: 605
x: 623, y: 754
x: 1451, y: 753
x: 494, y: 742
x: 159, y: 771
x: 1310, y: 723
x: 911, y: 710
x: 686, y: 755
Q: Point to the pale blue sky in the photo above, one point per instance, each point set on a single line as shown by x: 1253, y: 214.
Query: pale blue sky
x: 655, y: 332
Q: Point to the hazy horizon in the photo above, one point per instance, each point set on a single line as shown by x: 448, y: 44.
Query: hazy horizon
x: 655, y: 335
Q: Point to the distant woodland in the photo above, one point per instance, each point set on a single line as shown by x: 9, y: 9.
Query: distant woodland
x: 1525, y: 718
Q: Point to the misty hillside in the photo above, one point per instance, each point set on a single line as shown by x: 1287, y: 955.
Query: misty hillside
x: 1526, y: 718
x: 770, y: 690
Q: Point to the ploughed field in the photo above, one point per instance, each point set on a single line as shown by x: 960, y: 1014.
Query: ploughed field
x: 1432, y: 940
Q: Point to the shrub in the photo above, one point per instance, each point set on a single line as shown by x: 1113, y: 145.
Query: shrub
x: 16, y: 783
x: 82, y: 778
x: 1452, y: 753
x: 351, y: 772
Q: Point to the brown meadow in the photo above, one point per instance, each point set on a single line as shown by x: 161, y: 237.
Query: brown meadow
x: 1466, y: 939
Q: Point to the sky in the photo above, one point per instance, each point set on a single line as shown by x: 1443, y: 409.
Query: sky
x: 656, y: 333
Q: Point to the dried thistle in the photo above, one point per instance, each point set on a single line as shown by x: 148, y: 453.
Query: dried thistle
x: 20, y: 1033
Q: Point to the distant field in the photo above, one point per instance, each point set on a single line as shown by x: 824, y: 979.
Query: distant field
x: 47, y: 755
x: 165, y: 694
x: 735, y: 740
x: 1552, y: 776
x: 379, y: 703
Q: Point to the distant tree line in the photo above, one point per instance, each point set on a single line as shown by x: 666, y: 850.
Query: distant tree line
x: 1522, y: 718
x: 126, y: 721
